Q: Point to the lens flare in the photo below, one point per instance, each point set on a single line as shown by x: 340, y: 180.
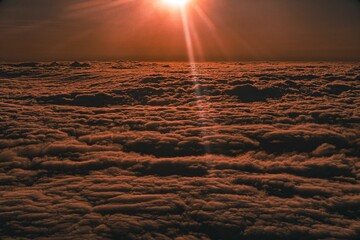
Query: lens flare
x: 176, y: 3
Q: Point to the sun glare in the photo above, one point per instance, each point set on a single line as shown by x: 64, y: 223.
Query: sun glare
x: 176, y: 3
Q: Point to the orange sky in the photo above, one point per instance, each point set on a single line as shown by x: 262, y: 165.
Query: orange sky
x: 148, y: 30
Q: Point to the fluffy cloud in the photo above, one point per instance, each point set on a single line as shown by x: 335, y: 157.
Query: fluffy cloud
x: 129, y: 150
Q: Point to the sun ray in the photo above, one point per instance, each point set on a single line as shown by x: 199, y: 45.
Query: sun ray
x: 98, y: 5
x: 188, y: 38
x: 212, y: 29
x: 176, y: 3
x: 193, y: 70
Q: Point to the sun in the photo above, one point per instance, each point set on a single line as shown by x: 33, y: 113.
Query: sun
x: 176, y: 3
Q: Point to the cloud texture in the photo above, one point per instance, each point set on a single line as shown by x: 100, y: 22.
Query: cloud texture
x: 132, y: 150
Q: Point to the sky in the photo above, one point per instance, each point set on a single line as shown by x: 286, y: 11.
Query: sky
x: 150, y: 30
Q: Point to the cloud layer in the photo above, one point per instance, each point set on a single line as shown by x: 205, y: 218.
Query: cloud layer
x: 132, y: 150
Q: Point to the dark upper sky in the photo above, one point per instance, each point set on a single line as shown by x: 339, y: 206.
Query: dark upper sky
x: 148, y: 30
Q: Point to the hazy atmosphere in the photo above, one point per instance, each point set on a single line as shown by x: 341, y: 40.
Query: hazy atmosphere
x: 145, y: 30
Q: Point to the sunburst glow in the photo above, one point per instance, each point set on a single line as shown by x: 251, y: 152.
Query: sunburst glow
x: 176, y: 3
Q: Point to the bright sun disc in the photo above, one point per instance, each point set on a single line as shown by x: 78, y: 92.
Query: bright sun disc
x: 176, y: 3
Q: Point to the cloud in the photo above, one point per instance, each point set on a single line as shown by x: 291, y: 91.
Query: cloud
x: 129, y: 150
x: 249, y: 93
